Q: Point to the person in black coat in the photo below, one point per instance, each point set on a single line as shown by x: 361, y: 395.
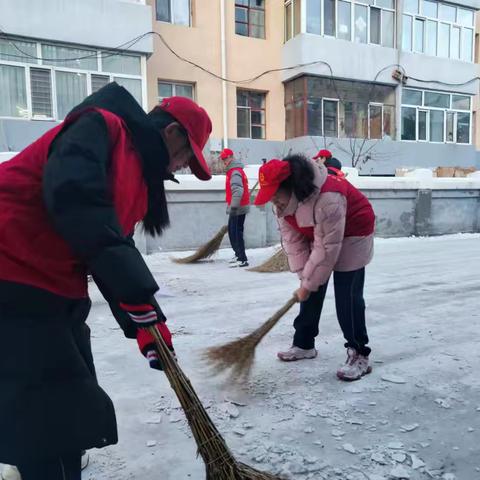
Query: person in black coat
x: 69, y: 204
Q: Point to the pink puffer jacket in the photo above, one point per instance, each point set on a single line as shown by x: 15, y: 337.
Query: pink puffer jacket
x: 330, y: 250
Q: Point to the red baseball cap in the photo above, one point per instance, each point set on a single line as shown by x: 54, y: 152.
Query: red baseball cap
x: 323, y: 153
x: 270, y: 176
x: 195, y: 120
x: 226, y: 152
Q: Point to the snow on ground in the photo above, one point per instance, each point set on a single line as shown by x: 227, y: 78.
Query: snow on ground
x: 417, y: 416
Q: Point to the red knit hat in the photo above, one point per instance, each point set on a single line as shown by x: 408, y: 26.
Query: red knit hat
x: 270, y: 176
x: 323, y: 153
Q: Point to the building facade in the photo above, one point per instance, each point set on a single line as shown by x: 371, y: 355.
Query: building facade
x: 56, y: 52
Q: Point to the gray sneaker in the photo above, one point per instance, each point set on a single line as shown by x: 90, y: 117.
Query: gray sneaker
x: 356, y: 366
x: 296, y: 353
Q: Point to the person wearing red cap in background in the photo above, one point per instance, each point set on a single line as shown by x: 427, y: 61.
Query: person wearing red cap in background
x: 237, y: 196
x: 326, y: 225
x: 322, y: 156
x: 69, y: 203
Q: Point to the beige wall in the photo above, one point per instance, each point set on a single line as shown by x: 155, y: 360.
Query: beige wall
x: 246, y: 57
x: 476, y: 101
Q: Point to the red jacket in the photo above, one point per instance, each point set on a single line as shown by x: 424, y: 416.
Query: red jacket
x: 245, y: 200
x: 31, y: 251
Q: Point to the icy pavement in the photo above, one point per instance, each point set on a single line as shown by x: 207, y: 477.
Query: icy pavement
x: 417, y: 416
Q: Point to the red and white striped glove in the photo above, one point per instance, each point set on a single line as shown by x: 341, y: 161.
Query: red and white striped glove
x: 145, y: 316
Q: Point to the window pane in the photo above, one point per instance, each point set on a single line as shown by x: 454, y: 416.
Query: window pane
x: 467, y: 44
x: 297, y: 17
x: 447, y: 12
x: 241, y: 29
x: 411, y: 6
x: 436, y: 125
x: 314, y: 16
x: 163, y: 10
x: 385, y: 3
x: 360, y: 24
x: 460, y: 102
x: 99, y: 81
x: 422, y: 125
x: 344, y: 20
x: 388, y: 122
x: 56, y: 55
x: 256, y: 100
x: 465, y: 17
x: 455, y: 43
x: 347, y: 120
x: 439, y: 100
x: 13, y: 92
x: 181, y: 12
x: 165, y: 90
x: 329, y: 17
x: 463, y: 128
x: 257, y: 31
x: 407, y: 33
x: 330, y: 118
x: 242, y: 98
x: 71, y: 89
x: 242, y: 2
x: 419, y: 35
x: 257, y: 17
x: 258, y: 117
x: 431, y: 46
x: 257, y: 3
x: 128, y: 64
x: 388, y: 28
x: 184, y: 91
x: 314, y: 116
x: 243, y: 123
x: 430, y: 8
x: 375, y: 121
x: 41, y: 87
x: 133, y: 85
x: 241, y: 14
x: 288, y: 21
x: 409, y: 119
x: 450, y: 126
x: 375, y: 26
x: 17, y: 51
x: 258, y: 132
x: 444, y: 40
x: 411, y: 97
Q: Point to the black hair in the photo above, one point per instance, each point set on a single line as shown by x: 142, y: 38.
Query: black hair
x: 333, y: 162
x: 157, y: 217
x: 300, y: 181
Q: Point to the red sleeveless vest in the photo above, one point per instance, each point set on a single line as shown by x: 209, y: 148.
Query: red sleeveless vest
x: 228, y: 189
x: 31, y: 252
x: 360, y: 218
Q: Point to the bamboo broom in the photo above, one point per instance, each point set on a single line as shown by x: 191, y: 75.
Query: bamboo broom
x: 238, y: 355
x: 208, y: 249
x: 278, y: 262
x: 220, y: 464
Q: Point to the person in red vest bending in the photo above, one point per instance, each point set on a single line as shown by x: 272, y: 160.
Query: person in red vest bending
x: 69, y: 203
x: 237, y: 197
x: 326, y: 226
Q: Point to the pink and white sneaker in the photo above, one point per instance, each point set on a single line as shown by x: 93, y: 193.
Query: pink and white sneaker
x: 355, y: 367
x: 296, y: 353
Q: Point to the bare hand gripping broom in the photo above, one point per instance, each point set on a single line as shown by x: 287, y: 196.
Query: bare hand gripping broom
x: 220, y: 464
x: 208, y: 249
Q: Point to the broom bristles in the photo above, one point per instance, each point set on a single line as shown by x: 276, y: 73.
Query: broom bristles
x: 206, y: 250
x: 278, y: 262
x: 220, y: 463
x: 238, y: 355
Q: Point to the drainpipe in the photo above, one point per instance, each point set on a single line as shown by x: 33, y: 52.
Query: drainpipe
x: 224, y: 74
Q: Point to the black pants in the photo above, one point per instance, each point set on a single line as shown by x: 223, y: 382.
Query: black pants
x: 66, y: 467
x: 235, y: 234
x: 350, y: 307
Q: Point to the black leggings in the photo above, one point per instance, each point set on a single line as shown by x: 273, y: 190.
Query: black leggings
x: 65, y: 467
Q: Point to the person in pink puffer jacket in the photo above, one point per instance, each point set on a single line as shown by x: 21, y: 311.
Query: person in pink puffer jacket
x: 326, y: 225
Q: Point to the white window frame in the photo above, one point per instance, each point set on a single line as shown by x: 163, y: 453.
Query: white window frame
x: 337, y: 101
x: 172, y: 20
x: 174, y: 85
x: 437, y: 20
x: 445, y: 110
x: 40, y: 64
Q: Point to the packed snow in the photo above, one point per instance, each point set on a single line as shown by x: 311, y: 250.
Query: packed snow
x: 416, y: 416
